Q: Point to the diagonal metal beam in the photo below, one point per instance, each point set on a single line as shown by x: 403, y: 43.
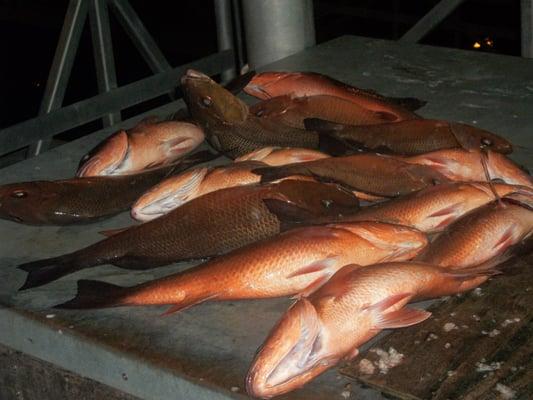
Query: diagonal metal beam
x: 24, y: 133
x: 103, y: 53
x: 429, y: 21
x: 526, y: 14
x: 67, y: 46
x: 140, y: 36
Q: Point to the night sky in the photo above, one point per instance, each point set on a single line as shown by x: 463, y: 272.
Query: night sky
x: 185, y: 31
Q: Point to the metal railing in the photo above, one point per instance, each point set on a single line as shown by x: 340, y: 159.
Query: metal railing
x: 53, y: 118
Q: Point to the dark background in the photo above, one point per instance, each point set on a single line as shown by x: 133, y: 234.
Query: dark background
x: 185, y: 30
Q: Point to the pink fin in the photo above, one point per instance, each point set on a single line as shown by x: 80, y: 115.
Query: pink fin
x: 113, y: 232
x: 388, y: 302
x: 316, y: 266
x: 506, y: 239
x: 400, y: 318
x: 450, y: 210
x: 445, y: 222
x: 187, y: 304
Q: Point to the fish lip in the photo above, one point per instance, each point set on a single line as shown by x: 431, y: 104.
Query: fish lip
x: 289, y: 357
x: 194, y: 74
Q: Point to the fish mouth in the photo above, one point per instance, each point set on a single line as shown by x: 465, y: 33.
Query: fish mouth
x: 292, y: 355
x: 108, y: 158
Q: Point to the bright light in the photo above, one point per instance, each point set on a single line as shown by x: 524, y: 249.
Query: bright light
x: 476, y: 45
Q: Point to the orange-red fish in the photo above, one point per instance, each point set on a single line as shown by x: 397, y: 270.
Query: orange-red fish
x: 488, y: 234
x: 467, y: 165
x: 432, y: 209
x: 147, y: 145
x: 299, y: 84
x: 177, y: 190
x: 296, y: 262
x: 351, y: 308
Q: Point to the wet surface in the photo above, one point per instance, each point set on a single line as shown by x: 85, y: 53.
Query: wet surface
x: 213, y: 344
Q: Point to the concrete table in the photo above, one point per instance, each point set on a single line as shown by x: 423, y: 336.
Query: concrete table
x: 204, y: 352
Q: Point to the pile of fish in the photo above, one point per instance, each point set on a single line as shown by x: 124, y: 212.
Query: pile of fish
x: 345, y: 199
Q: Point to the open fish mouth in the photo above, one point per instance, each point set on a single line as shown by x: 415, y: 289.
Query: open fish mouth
x: 291, y: 356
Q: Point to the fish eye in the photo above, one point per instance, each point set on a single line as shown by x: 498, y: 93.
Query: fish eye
x: 19, y: 194
x: 207, y: 101
x: 486, y: 142
x: 327, y: 203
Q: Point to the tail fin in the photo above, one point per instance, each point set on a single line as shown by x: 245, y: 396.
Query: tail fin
x: 41, y: 272
x: 95, y: 294
x: 409, y: 103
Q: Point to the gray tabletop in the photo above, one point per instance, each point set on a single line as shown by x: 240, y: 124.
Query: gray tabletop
x: 204, y: 352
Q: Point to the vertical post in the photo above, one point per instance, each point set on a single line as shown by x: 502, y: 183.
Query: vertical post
x: 67, y: 47
x: 277, y: 28
x: 526, y: 13
x: 224, y: 32
x: 139, y: 35
x: 237, y: 27
x: 103, y: 53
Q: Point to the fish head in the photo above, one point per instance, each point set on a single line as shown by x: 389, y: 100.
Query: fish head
x: 292, y: 355
x: 471, y: 137
x: 209, y: 103
x: 267, y: 84
x: 106, y: 158
x: 397, y: 241
x: 319, y: 198
x: 501, y: 167
x: 21, y: 202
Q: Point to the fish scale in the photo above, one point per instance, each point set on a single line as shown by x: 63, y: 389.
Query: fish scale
x: 352, y: 307
x: 294, y: 262
x: 476, y: 237
x: 207, y: 226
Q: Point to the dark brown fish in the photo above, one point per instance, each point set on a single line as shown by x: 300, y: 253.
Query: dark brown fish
x: 231, y: 129
x: 207, y: 226
x: 82, y: 200
x: 369, y: 173
x: 412, y: 137
x: 293, y: 111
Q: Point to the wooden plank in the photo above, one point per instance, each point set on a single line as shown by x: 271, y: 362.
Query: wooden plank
x: 475, y: 346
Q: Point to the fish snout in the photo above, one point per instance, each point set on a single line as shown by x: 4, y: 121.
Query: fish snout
x: 291, y: 355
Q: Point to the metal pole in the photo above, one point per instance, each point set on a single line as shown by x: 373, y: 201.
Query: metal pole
x: 526, y: 13
x: 103, y: 53
x: 277, y: 28
x: 224, y: 32
x: 239, y: 42
x: 429, y: 21
x: 67, y: 47
x: 138, y: 33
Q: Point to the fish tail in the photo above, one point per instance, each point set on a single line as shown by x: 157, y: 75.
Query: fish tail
x: 95, y: 294
x: 41, y: 272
